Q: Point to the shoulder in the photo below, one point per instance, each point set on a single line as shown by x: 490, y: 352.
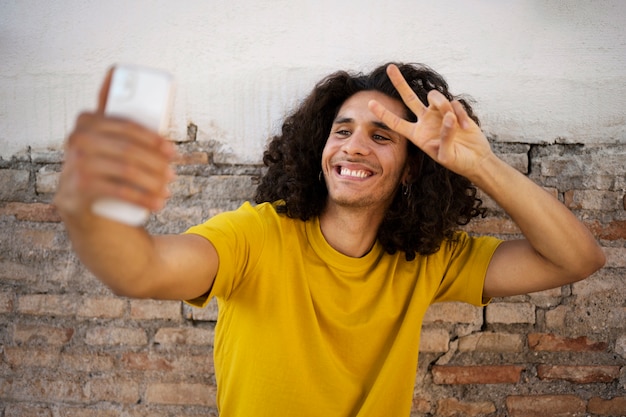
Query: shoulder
x: 464, y: 245
x: 246, y: 219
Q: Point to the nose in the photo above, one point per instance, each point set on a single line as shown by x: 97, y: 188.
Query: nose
x: 357, y: 143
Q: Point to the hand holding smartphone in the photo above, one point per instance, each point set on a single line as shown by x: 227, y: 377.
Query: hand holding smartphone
x: 143, y: 95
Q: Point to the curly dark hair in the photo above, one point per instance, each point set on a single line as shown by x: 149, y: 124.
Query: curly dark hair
x: 426, y: 210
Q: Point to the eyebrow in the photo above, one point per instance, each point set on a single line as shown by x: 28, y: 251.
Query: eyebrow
x: 381, y: 125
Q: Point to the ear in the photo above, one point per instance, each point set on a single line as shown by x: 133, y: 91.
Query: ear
x: 413, y: 165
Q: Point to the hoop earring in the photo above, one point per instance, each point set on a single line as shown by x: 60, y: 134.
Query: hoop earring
x: 320, y: 177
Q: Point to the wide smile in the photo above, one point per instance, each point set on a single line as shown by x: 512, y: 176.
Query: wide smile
x: 353, y: 172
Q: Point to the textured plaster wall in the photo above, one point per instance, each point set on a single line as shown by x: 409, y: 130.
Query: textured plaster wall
x: 540, y: 71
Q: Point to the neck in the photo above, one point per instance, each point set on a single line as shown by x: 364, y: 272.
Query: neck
x: 350, y: 231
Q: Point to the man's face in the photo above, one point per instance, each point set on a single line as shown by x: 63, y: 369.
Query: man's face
x: 363, y: 160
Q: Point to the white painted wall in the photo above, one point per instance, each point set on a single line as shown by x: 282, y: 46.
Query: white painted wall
x: 540, y: 71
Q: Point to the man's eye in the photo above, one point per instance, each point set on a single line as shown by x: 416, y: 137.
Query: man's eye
x: 381, y: 138
x: 343, y: 132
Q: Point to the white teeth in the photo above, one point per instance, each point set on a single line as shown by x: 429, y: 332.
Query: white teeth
x: 353, y: 173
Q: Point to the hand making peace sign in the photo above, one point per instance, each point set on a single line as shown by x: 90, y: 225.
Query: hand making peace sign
x: 443, y: 130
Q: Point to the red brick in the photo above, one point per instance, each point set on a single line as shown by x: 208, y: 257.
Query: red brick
x: 494, y: 374
x: 208, y: 313
x: 613, y: 407
x: 546, y: 298
x: 555, y: 343
x: 103, y: 307
x: 192, y: 158
x: 115, y: 390
x: 145, y: 361
x: 25, y: 410
x: 451, y: 407
x: 155, y: 309
x: 491, y: 342
x: 47, y: 304
x: 87, y: 362
x: 620, y: 347
x: 42, y: 335
x: 116, y: 336
x: 580, y: 374
x: 184, y: 336
x: 5, y: 387
x: 181, y: 394
x: 613, y: 230
x: 89, y: 412
x: 615, y: 257
x: 46, y: 181
x: 555, y: 318
x: 493, y: 225
x: 34, y: 212
x: 197, y: 364
x: 421, y: 405
x: 15, y: 271
x: 434, y: 340
x: 570, y: 202
x: 454, y: 313
x: 48, y: 390
x: 34, y: 358
x: 592, y: 200
x: 6, y: 302
x: 14, y: 182
x: 510, y: 313
x: 29, y: 240
x: 545, y: 405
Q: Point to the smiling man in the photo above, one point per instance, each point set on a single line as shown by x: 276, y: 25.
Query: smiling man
x: 323, y: 284
x: 363, y: 162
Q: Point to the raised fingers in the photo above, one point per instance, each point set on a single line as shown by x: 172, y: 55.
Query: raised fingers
x: 393, y: 121
x: 409, y: 97
x: 464, y: 120
x: 436, y: 100
x: 446, y: 151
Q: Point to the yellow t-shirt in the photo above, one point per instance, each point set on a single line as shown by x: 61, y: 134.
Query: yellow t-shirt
x: 304, y: 330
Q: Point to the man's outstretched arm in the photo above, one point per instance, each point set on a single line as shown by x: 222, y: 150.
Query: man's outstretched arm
x: 117, y: 158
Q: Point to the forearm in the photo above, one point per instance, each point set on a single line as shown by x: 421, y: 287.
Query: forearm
x: 552, y: 230
x: 120, y: 256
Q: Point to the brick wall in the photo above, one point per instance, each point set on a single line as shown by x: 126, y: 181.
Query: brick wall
x: 71, y: 348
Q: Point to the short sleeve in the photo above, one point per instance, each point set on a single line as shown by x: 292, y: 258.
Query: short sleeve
x: 464, y: 273
x: 237, y: 237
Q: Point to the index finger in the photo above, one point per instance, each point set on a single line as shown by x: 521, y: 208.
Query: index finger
x: 409, y: 96
x: 393, y: 121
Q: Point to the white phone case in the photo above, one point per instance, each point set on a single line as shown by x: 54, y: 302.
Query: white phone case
x: 143, y: 95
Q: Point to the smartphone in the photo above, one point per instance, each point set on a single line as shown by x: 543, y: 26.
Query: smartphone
x: 143, y: 95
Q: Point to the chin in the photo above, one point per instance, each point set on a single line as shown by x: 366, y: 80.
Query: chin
x: 351, y: 201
